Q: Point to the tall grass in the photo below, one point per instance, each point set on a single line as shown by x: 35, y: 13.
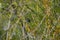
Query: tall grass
x: 29, y: 19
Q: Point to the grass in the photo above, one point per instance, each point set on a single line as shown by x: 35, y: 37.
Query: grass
x: 29, y: 20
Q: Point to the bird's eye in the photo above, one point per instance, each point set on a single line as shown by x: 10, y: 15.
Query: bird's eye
x: 13, y: 6
x: 28, y: 20
x: 3, y: 8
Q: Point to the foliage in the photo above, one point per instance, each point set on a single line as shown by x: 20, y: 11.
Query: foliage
x: 29, y: 19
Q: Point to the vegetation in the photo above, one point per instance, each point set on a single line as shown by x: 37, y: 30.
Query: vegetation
x: 29, y: 19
